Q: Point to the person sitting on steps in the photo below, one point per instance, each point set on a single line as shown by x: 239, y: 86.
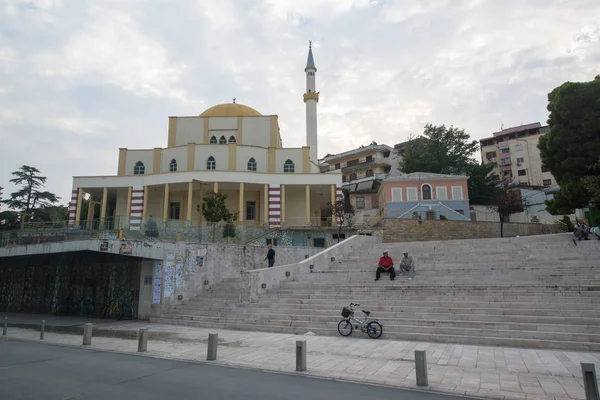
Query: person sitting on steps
x: 386, y: 264
x: 581, y: 230
x: 407, y: 264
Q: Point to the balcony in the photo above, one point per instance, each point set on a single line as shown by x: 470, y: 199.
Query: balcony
x: 503, y: 145
x: 365, y: 162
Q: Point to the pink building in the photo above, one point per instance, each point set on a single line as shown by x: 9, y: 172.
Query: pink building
x: 424, y: 194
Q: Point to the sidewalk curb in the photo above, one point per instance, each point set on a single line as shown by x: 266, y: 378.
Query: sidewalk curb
x: 308, y: 374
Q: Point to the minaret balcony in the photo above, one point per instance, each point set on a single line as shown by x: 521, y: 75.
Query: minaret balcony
x: 311, y: 96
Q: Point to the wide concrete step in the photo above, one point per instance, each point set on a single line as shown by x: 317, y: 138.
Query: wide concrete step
x: 334, y: 309
x: 405, y: 332
x: 275, y: 311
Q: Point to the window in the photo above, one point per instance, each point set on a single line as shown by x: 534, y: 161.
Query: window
x: 547, y: 182
x: 319, y: 242
x: 352, y: 162
x: 250, y: 210
x: 457, y: 193
x: 360, y: 202
x: 520, y: 160
x: 272, y: 242
x: 139, y: 168
x: 288, y: 166
x: 426, y: 192
x: 341, y: 236
x: 369, y: 172
x: 337, y: 165
x: 506, y: 161
x: 173, y: 165
x: 222, y: 140
x: 251, y: 164
x: 396, y: 194
x: 430, y: 215
x: 441, y: 193
x: 411, y: 194
x: 213, y: 140
x: 211, y: 163
x: 544, y: 169
x: 369, y: 159
x: 522, y: 172
x: 519, y: 147
x: 343, y: 178
x: 232, y: 139
x: 174, y: 210
x: 353, y: 176
x: 490, y: 155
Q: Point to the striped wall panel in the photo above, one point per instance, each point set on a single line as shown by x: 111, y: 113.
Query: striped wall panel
x: 137, y: 208
x: 274, y: 206
x: 73, y: 207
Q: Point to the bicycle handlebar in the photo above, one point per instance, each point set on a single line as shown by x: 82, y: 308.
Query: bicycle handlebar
x: 354, y: 304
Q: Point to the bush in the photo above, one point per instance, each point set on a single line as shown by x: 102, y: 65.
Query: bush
x: 229, y: 231
x: 567, y: 221
x: 151, y: 229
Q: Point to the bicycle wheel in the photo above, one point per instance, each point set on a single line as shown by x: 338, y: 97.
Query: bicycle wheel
x: 345, y: 327
x: 374, y: 329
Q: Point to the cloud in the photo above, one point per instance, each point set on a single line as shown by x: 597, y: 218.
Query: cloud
x: 79, y: 81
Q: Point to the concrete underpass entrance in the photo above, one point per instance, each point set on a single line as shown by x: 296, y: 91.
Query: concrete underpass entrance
x: 76, y: 283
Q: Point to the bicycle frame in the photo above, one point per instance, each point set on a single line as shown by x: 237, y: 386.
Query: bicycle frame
x: 362, y: 323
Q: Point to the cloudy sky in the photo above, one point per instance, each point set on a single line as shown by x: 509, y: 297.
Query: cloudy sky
x: 81, y: 78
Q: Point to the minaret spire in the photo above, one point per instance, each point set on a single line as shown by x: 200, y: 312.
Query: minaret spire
x: 311, y: 98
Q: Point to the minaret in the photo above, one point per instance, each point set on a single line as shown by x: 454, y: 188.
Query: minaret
x: 311, y: 98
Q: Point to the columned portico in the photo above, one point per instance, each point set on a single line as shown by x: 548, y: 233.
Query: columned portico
x: 166, y: 203
x: 241, y: 203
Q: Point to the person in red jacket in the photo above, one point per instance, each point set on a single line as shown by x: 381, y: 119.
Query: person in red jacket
x: 386, y: 264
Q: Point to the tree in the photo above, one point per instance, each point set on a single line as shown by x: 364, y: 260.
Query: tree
x: 342, y: 211
x: 505, y: 204
x: 484, y: 185
x: 30, y: 196
x: 214, y: 209
x: 570, y: 150
x: 9, y: 220
x: 442, y: 150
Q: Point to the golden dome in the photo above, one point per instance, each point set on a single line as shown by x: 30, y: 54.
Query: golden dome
x: 230, y: 110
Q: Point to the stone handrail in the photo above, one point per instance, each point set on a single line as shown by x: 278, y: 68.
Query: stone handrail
x: 255, y: 282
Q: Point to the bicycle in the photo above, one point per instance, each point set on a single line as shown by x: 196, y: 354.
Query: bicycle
x: 113, y: 309
x: 371, y: 326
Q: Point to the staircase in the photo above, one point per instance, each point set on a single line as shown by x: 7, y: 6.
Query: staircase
x: 535, y: 291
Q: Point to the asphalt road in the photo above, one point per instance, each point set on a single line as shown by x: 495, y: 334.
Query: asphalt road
x: 30, y: 370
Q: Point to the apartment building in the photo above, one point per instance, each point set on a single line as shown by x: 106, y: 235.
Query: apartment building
x: 362, y: 170
x: 517, y: 157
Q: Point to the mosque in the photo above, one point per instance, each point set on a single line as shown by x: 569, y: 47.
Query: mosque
x: 229, y: 148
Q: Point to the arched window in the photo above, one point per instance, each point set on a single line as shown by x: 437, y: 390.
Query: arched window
x: 213, y: 140
x: 369, y: 172
x: 426, y: 192
x: 211, y: 163
x: 353, y: 176
x: 252, y: 164
x: 222, y: 140
x: 139, y: 168
x: 288, y: 166
x: 173, y: 165
x: 232, y: 139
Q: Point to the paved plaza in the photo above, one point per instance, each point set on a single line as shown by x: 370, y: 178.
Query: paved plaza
x: 478, y: 371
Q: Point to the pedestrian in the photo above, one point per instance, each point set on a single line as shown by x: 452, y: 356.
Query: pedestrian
x: 407, y: 264
x: 270, y: 256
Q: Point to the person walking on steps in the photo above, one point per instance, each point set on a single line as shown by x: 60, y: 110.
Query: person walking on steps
x: 386, y: 264
x: 270, y: 256
x: 407, y: 264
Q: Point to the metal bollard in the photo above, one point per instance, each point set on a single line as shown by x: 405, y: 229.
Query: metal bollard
x: 301, y: 355
x: 421, y: 367
x: 42, y: 329
x: 143, y: 340
x: 590, y: 382
x: 5, y: 329
x: 87, y: 334
x: 211, y: 354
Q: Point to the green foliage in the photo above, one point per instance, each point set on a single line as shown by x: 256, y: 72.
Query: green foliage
x: 572, y: 147
x: 30, y: 196
x: 214, y: 211
x: 341, y: 211
x: 151, y: 229
x: 567, y: 221
x: 484, y: 185
x: 229, y: 231
x: 447, y: 150
x: 505, y: 204
x: 9, y: 220
x: 442, y: 150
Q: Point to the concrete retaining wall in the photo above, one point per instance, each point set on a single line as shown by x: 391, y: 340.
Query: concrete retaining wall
x: 252, y: 282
